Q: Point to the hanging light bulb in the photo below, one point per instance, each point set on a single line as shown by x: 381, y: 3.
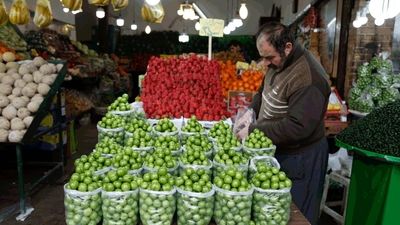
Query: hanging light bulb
x: 66, y: 10
x: 197, y: 26
x: 384, y: 9
x: 100, y: 13
x: 179, y: 12
x: 231, y: 26
x: 120, y: 22
x: 152, y: 2
x: 363, y: 17
x: 237, y: 22
x: 227, y: 30
x: 356, y: 23
x: 379, y: 21
x: 147, y: 29
x: 133, y: 26
x: 243, y: 12
x: 76, y: 11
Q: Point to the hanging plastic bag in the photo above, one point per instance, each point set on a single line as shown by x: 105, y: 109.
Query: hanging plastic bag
x: 99, y: 2
x: 3, y: 13
x: 43, y: 15
x: 244, y: 118
x: 119, y: 4
x: 72, y: 5
x: 195, y: 208
x: 153, y: 13
x: 364, y: 103
x: 264, y: 160
x: 19, y: 12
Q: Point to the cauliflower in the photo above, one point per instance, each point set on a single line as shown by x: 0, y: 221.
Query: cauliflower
x: 16, y: 135
x: 33, y: 106
x: 28, y: 120
x: 39, y: 61
x: 49, y: 80
x: 17, y: 91
x: 2, y: 67
x: 28, y: 78
x: 4, y: 101
x: 37, y: 77
x: 18, y: 102
x: 9, y: 112
x: 59, y: 67
x: 43, y: 89
x: 22, y: 113
x: 4, y: 123
x: 20, y: 83
x: 12, y: 65
x: 37, y: 98
x: 28, y: 91
x: 12, y: 70
x: 17, y: 124
x: 7, y: 80
x: 16, y: 76
x: 5, y: 89
x: 46, y: 69
x: 3, y: 135
x: 24, y: 69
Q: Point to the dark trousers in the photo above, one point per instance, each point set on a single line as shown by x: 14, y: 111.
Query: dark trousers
x: 307, y: 171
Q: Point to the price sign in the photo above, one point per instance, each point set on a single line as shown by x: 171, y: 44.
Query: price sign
x: 211, y: 27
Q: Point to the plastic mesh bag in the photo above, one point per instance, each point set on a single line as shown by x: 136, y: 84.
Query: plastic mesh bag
x: 82, y: 208
x: 219, y: 168
x: 120, y: 207
x: 72, y: 5
x: 119, y: 4
x: 153, y: 13
x: 43, y: 14
x: 99, y: 2
x: 3, y: 13
x: 232, y: 207
x: 157, y: 207
x: 126, y: 115
x: 271, y: 206
x: 195, y: 208
x: 207, y: 168
x: 19, y: 12
x: 117, y: 134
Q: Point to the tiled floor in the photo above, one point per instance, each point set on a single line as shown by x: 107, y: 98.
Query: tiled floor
x: 48, y: 201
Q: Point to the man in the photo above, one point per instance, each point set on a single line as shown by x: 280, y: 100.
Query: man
x: 290, y: 107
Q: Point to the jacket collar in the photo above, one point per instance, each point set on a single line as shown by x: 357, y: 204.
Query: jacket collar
x: 294, y: 55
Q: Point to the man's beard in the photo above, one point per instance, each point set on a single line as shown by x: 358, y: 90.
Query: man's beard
x: 280, y: 66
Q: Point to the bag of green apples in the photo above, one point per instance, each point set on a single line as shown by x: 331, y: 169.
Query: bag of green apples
x: 233, y: 198
x: 120, y: 198
x: 271, y: 198
x: 195, y: 197
x: 121, y: 107
x: 262, y: 162
x: 157, y: 198
x: 82, y: 207
x: 225, y: 159
x: 166, y: 127
x: 191, y: 127
x: 257, y: 144
x: 111, y: 126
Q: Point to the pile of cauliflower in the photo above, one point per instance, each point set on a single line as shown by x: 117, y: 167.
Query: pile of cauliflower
x: 23, y: 87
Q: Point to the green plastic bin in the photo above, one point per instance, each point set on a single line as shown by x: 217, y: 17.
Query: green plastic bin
x: 374, y: 194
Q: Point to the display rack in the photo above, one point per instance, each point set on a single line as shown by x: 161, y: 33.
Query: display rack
x: 31, y: 135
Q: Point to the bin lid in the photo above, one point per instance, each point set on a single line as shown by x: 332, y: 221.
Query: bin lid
x: 381, y: 157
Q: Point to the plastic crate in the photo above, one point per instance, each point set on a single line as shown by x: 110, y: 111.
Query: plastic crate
x: 374, y: 196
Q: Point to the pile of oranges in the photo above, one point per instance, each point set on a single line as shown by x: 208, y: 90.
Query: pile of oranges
x: 249, y: 80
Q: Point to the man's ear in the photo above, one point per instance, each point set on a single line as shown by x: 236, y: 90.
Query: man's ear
x: 288, y: 48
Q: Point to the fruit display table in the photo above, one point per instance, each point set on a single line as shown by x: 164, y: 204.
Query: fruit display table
x: 296, y: 217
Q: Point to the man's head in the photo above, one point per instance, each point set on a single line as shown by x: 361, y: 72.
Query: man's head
x: 235, y: 46
x: 274, y: 43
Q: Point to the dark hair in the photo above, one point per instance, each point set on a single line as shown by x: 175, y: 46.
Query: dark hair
x: 235, y: 43
x: 276, y: 34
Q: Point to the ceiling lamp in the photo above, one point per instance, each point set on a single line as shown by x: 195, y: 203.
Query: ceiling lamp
x: 183, y: 38
x: 133, y: 26
x: 152, y: 2
x: 120, y: 22
x: 147, y: 29
x: 187, y: 11
x: 197, y: 26
x: 231, y: 26
x: 66, y: 10
x: 384, y: 9
x: 243, y: 12
x: 227, y: 30
x: 100, y: 13
x: 237, y: 22
x: 379, y: 21
x: 356, y: 24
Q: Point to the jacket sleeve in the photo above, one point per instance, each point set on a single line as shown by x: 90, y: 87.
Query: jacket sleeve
x: 305, y: 112
x: 256, y: 101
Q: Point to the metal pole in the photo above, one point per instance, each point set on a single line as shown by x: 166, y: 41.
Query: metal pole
x: 209, y: 47
x: 21, y: 185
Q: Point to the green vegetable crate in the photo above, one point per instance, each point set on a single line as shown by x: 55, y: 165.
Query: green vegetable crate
x: 374, y: 195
